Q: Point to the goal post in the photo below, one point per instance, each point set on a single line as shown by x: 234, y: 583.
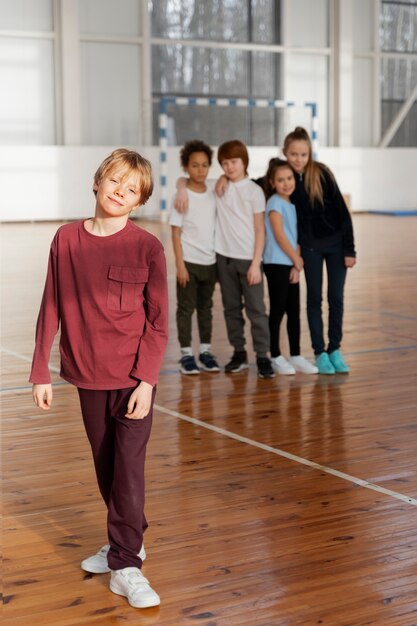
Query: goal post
x: 168, y: 101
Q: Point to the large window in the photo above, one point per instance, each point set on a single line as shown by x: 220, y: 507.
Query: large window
x: 27, y: 73
x: 110, y: 53
x: 216, y: 20
x: 92, y: 72
x: 398, y: 39
x: 217, y: 71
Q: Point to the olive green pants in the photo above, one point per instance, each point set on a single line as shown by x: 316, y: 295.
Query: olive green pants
x: 196, y: 295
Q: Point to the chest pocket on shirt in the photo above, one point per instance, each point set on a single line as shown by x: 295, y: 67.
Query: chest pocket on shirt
x: 125, y: 287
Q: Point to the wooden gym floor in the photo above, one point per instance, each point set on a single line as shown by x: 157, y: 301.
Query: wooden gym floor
x: 271, y: 503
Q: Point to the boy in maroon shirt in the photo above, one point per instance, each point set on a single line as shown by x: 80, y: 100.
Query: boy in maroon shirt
x: 106, y: 287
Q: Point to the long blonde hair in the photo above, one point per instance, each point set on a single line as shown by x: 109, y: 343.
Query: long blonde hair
x: 313, y: 174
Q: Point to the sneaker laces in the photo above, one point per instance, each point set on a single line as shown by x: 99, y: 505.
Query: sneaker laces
x: 187, y: 360
x: 207, y: 357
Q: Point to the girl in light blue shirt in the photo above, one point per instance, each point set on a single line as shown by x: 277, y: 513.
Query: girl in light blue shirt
x: 282, y: 265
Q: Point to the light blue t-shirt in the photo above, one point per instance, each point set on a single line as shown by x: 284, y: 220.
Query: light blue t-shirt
x: 272, y: 252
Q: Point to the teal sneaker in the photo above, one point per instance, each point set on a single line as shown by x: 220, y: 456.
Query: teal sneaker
x: 338, y: 362
x: 324, y: 365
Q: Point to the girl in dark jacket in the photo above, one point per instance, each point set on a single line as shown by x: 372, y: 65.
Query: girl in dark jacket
x: 325, y: 235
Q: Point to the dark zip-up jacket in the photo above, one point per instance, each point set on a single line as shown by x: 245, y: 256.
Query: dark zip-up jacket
x: 327, y: 224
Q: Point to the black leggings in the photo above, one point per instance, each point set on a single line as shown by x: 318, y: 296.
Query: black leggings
x: 284, y: 297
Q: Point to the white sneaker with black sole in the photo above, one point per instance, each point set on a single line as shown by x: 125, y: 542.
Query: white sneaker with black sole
x: 97, y: 564
x: 132, y: 584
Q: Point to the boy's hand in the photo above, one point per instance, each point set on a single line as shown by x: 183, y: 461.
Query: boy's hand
x: 294, y: 276
x: 140, y: 402
x: 254, y: 275
x: 182, y: 276
x: 221, y: 185
x: 350, y: 261
x: 181, y: 200
x: 42, y: 396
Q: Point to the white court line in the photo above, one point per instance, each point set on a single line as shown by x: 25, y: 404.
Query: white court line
x: 22, y: 357
x: 288, y: 455
x: 262, y: 446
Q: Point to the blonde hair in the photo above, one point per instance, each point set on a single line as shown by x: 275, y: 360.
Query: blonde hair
x: 313, y: 175
x: 130, y: 162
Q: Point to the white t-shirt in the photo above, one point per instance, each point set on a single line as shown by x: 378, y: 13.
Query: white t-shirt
x: 235, y: 228
x: 197, y: 226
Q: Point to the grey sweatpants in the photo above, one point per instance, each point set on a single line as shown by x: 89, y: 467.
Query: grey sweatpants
x: 237, y: 295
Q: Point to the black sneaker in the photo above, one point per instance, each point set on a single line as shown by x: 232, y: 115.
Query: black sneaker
x: 264, y: 368
x: 237, y: 363
x: 208, y: 362
x: 188, y: 365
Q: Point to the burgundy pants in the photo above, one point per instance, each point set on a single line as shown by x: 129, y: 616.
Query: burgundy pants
x: 118, y: 445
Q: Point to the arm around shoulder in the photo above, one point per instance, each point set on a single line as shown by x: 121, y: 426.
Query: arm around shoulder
x: 181, y: 198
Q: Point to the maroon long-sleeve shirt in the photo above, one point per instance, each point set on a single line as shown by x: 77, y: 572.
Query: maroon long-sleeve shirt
x: 110, y: 296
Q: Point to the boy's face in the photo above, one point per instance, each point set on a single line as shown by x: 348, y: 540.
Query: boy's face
x: 197, y: 167
x: 234, y: 169
x: 117, y: 194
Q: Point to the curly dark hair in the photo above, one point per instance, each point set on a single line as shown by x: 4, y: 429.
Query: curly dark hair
x: 194, y: 146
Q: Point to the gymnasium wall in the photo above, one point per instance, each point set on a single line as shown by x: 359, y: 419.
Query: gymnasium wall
x: 54, y: 183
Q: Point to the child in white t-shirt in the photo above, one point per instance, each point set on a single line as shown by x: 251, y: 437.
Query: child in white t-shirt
x: 239, y: 243
x: 193, y: 242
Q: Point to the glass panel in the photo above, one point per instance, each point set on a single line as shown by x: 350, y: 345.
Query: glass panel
x: 399, y: 76
x: 27, y: 115
x: 214, y: 72
x: 214, y: 20
x: 106, y: 17
x: 255, y: 127
x: 307, y: 23
x: 362, y: 102
x: 406, y: 135
x: 306, y: 80
x: 265, y: 21
x: 110, y: 105
x: 398, y: 27
x: 192, y: 19
x: 217, y: 73
x: 265, y: 75
x: 363, y: 25
x: 27, y: 15
x: 204, y: 71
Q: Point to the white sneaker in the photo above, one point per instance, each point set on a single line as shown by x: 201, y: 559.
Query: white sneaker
x: 132, y: 584
x: 97, y: 564
x: 281, y: 366
x: 300, y: 364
